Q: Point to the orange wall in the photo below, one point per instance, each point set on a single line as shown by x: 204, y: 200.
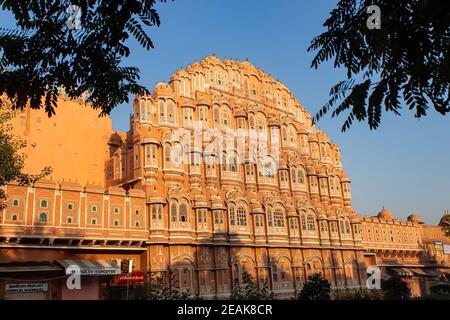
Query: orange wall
x: 73, y: 142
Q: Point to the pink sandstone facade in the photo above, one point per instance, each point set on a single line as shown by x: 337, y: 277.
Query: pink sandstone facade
x: 278, y: 208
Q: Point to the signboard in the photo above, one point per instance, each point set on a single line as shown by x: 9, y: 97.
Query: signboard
x: 438, y: 246
x: 95, y: 272
x: 130, y: 279
x: 446, y: 248
x: 26, y: 287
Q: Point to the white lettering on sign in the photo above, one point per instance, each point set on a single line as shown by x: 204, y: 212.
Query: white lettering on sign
x: 26, y: 287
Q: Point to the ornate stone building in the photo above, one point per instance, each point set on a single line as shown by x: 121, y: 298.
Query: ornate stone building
x: 222, y: 172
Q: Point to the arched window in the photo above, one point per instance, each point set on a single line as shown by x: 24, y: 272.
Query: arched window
x: 347, y: 227
x: 44, y: 204
x: 292, y: 135
x: 251, y: 121
x: 150, y: 154
x: 303, y: 221
x: 167, y: 154
x: 171, y: 113
x: 42, y: 217
x: 301, y: 176
x: 162, y: 111
x: 241, y: 216
x: 278, y: 216
x: 274, y: 273
x: 262, y: 125
x: 188, y: 117
x: 216, y: 117
x: 269, y: 217
x: 184, y: 213
x: 185, y: 87
x: 232, y: 163
x: 294, y: 175
x: 177, y: 154
x: 173, y: 212
x: 145, y: 108
x: 232, y: 216
x: 226, y: 116
x: 236, y: 79
x: 14, y: 217
x: 203, y: 115
x: 219, y: 81
x: 311, y: 222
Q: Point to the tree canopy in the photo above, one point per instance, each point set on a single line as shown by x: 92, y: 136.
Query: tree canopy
x: 395, y: 288
x: 316, y: 288
x: 250, y: 290
x: 54, y: 48
x: 406, y: 60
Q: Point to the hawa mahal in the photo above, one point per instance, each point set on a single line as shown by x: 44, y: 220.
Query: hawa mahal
x: 221, y: 172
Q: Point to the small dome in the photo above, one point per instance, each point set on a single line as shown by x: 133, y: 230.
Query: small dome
x: 385, y: 214
x: 415, y: 218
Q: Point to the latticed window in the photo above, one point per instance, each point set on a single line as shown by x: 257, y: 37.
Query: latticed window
x: 232, y: 216
x: 150, y: 155
x: 171, y: 116
x: 153, y: 212
x: 216, y: 117
x: 173, y: 212
x: 162, y: 111
x: 241, y: 216
x: 269, y: 218
x: 218, y: 217
x: 293, y: 224
x: 177, y: 153
x: 301, y: 176
x: 347, y: 227
x: 188, y: 115
x: 258, y: 221
x: 183, y: 212
x: 303, y: 221
x: 278, y: 218
x: 342, y: 226
x: 311, y: 223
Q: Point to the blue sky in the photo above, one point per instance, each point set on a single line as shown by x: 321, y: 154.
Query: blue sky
x: 403, y: 165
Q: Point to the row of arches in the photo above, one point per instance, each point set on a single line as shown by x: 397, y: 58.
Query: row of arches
x: 279, y: 274
x: 274, y: 218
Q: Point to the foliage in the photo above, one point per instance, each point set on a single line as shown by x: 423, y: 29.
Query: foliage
x: 408, y: 58
x: 250, y: 290
x: 358, y: 294
x: 44, y: 53
x: 11, y: 159
x: 395, y: 288
x: 316, y: 288
x: 158, y: 288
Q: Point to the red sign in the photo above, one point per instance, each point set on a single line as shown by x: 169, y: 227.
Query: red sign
x: 130, y: 279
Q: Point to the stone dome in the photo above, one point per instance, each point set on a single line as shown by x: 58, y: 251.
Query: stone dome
x: 385, y: 214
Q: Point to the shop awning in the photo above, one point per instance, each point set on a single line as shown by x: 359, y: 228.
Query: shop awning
x: 420, y: 272
x: 90, y: 267
x: 402, y: 271
x: 445, y: 271
x: 28, y: 266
